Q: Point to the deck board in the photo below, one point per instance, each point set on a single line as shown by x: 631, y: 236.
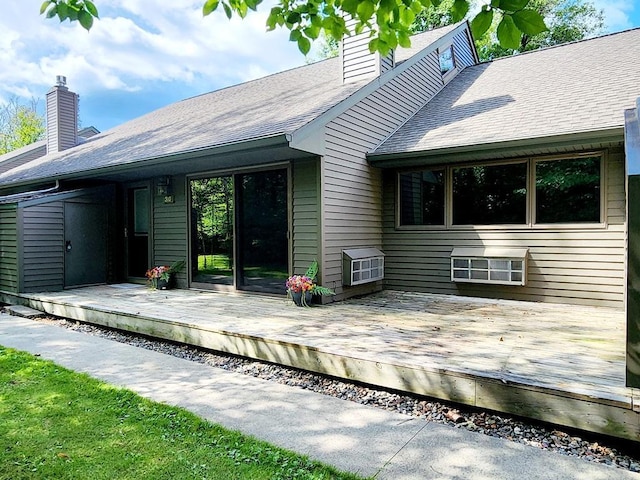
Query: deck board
x: 559, y: 363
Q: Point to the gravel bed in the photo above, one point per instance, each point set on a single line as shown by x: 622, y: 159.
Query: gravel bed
x: 590, y: 447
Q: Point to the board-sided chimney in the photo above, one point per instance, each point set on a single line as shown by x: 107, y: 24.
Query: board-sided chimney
x: 62, y: 117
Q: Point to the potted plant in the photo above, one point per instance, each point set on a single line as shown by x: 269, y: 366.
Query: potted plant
x: 162, y: 277
x: 302, y: 288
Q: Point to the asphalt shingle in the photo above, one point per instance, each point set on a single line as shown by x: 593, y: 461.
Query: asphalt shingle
x: 579, y: 87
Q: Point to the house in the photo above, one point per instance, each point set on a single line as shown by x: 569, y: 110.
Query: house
x: 424, y: 170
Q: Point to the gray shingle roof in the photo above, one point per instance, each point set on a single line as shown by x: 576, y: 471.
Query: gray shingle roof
x: 579, y: 87
x: 274, y: 105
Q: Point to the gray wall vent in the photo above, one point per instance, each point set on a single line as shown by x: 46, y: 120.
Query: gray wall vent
x: 362, y: 265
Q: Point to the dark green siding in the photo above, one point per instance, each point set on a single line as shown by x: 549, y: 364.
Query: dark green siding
x: 9, y: 248
x: 43, y: 247
x: 170, y: 227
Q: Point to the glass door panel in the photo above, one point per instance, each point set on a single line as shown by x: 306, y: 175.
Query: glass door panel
x: 138, y: 212
x: 263, y: 248
x: 212, y: 231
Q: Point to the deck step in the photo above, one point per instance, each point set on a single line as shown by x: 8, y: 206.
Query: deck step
x: 22, y: 311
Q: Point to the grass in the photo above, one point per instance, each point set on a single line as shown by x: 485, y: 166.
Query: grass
x: 220, y: 265
x: 55, y: 423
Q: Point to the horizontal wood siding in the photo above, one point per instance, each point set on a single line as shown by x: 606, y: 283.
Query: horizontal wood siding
x: 170, y: 228
x: 358, y: 63
x: 462, y: 51
x: 43, y: 247
x: 9, y: 248
x: 352, y: 189
x: 576, y: 266
x: 306, y: 217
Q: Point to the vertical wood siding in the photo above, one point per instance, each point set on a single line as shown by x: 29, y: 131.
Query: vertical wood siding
x: 575, y: 266
x: 306, y: 214
x: 170, y: 228
x: 43, y: 247
x: 9, y: 248
x: 352, y: 189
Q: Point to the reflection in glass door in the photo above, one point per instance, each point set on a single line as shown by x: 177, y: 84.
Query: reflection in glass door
x: 239, y: 230
x: 263, y: 258
x: 137, y: 233
x: 212, y: 210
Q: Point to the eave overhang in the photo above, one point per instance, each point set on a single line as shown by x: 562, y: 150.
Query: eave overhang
x: 498, y: 150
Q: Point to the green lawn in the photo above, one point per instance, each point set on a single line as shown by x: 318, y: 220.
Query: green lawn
x: 221, y: 265
x: 55, y: 423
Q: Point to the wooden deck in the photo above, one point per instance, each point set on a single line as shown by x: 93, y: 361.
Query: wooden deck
x: 558, y: 363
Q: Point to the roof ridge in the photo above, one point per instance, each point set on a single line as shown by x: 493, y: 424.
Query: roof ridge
x: 567, y: 44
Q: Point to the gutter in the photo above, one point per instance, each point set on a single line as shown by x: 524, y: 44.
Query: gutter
x: 262, y: 143
x: 19, y: 196
x: 493, y: 150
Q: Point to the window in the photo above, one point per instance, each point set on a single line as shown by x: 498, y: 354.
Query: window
x: 422, y: 197
x: 447, y: 62
x: 528, y: 192
x: 568, y: 190
x: 489, y: 195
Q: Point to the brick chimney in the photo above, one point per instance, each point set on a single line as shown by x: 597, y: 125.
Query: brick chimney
x: 62, y: 117
x: 358, y: 63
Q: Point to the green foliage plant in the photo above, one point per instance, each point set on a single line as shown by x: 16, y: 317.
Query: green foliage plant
x: 388, y: 21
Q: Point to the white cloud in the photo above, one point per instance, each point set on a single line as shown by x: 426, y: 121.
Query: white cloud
x: 617, y: 13
x: 134, y: 42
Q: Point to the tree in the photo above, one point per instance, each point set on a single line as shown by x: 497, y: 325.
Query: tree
x: 20, y: 125
x: 435, y: 17
x: 389, y: 21
x: 568, y: 21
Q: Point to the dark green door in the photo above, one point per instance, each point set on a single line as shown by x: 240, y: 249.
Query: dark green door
x: 85, y: 259
x: 137, y: 231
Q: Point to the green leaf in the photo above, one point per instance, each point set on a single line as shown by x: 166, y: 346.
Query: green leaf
x: 295, y: 35
x: 512, y: 5
x: 304, y: 45
x: 63, y: 11
x: 45, y: 5
x: 91, y: 8
x: 272, y: 19
x: 365, y: 10
x: 85, y: 19
x: 529, y: 22
x: 350, y: 6
x: 404, y: 40
x: 209, y: 7
x: 459, y: 9
x: 481, y: 23
x: 53, y: 11
x: 508, y: 34
x: 293, y: 18
x: 227, y: 10
x: 407, y: 16
x: 312, y: 32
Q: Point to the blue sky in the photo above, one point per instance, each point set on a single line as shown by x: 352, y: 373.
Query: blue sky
x: 144, y: 54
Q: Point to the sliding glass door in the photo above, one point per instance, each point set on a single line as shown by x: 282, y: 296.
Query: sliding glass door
x: 239, y: 231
